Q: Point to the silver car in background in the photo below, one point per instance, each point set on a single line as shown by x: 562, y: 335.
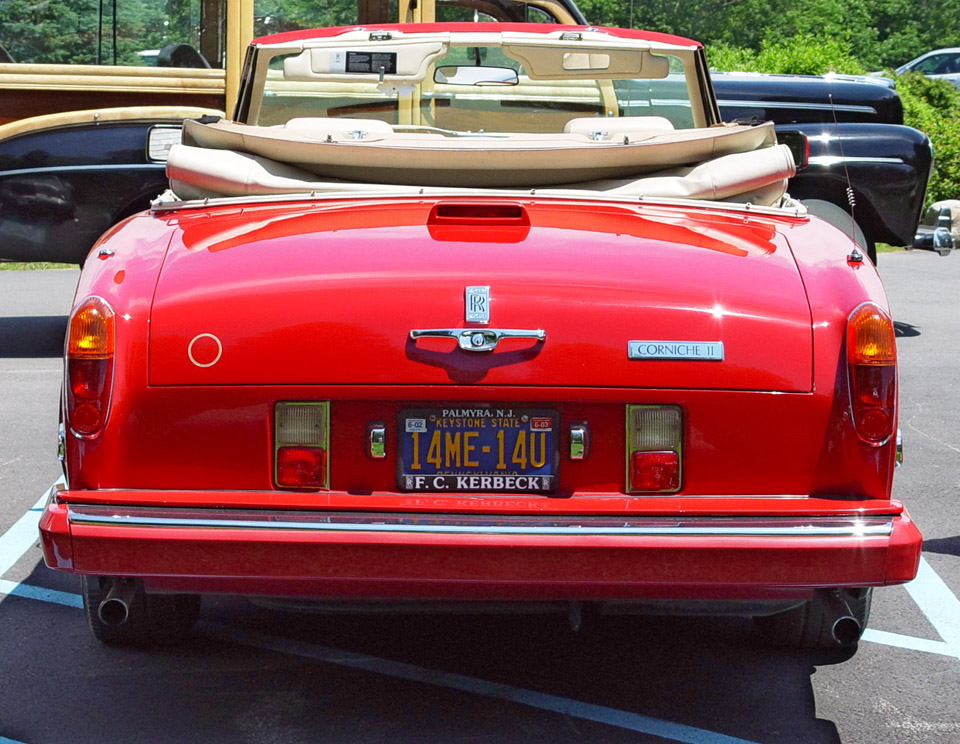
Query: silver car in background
x: 940, y: 63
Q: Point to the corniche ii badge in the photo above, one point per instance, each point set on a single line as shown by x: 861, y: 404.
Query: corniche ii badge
x: 695, y: 351
x: 476, y: 304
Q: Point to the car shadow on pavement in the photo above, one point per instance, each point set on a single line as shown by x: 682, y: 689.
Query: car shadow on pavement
x: 32, y: 336
x: 713, y: 674
x: 945, y: 545
x: 904, y: 330
x: 710, y: 674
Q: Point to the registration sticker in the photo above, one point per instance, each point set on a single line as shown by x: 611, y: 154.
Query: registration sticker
x: 461, y: 449
x: 415, y: 424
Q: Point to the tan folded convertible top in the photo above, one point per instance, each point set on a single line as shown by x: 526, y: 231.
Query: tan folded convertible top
x: 374, y: 152
x: 759, y: 177
x: 627, y: 158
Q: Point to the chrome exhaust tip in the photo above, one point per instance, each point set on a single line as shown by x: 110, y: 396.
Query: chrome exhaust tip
x: 846, y: 629
x: 114, y: 610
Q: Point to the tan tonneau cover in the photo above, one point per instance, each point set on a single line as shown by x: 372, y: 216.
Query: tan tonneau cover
x: 730, y: 162
x: 374, y: 152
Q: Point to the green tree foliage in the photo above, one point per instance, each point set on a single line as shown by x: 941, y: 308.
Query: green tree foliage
x: 803, y: 55
x: 908, y: 28
x: 79, y: 31
x: 933, y: 107
x: 27, y: 29
x: 274, y: 16
x: 75, y: 31
x: 879, y: 33
x: 182, y: 23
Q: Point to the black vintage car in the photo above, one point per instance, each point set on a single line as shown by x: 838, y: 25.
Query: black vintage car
x: 854, y: 129
x: 64, y: 184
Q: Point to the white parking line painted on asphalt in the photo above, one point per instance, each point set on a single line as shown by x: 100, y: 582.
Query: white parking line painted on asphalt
x: 20, y: 537
x: 28, y: 591
x: 905, y: 641
x: 928, y: 590
x: 938, y: 603
x: 412, y: 673
x: 23, y: 534
x: 610, y: 716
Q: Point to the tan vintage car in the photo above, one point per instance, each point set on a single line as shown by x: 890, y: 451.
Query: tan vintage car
x: 207, y: 75
x: 83, y: 146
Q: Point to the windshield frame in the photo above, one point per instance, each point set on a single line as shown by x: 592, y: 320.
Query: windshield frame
x: 699, y: 97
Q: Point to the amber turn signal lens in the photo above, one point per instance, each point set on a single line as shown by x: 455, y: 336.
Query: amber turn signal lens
x: 89, y: 368
x: 91, y: 330
x: 870, y: 337
x: 872, y: 368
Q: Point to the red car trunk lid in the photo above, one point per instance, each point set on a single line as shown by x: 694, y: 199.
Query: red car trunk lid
x: 330, y: 294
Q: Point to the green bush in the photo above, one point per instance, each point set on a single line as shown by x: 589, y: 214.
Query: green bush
x: 802, y: 55
x: 933, y: 107
x: 727, y: 58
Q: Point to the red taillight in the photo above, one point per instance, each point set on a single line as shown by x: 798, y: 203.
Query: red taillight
x: 655, y: 471
x: 89, y: 372
x: 301, y: 433
x: 654, y: 448
x: 872, y: 364
x: 301, y: 467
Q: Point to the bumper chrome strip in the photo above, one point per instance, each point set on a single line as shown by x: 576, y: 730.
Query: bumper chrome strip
x: 853, y: 527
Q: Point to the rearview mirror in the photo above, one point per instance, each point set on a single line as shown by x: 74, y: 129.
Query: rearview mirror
x: 475, y: 75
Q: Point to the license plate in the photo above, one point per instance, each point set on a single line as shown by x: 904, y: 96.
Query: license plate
x: 478, y: 449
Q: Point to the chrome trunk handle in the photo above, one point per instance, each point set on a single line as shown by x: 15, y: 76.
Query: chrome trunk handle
x: 477, y: 339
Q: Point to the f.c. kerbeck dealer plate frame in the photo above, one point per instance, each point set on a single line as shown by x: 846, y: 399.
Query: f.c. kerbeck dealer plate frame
x: 475, y: 449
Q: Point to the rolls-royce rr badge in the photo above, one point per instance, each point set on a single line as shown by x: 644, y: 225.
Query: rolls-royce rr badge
x: 476, y: 303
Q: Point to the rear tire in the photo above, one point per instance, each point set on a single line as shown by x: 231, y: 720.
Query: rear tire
x: 810, y: 626
x: 154, y: 619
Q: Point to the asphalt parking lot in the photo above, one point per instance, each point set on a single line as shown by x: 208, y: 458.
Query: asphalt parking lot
x: 257, y: 674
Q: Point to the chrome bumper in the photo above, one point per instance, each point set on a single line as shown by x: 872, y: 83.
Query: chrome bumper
x: 472, y: 524
x: 403, y: 555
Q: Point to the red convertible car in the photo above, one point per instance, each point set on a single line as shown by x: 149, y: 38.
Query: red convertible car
x: 480, y: 312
